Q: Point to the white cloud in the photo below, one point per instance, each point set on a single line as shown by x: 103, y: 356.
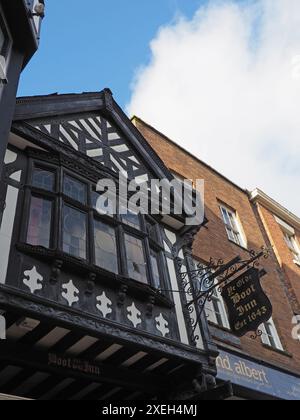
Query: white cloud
x: 226, y: 86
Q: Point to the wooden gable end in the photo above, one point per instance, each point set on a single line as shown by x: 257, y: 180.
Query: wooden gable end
x: 92, y: 125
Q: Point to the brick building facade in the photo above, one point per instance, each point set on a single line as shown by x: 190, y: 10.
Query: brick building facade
x: 237, y: 225
x: 283, y: 231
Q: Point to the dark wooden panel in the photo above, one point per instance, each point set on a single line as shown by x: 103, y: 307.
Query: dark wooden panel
x: 44, y: 387
x: 116, y: 376
x: 72, y: 389
x: 17, y: 380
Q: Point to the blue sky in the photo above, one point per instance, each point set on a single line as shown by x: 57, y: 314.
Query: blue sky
x: 86, y: 46
x: 233, y: 67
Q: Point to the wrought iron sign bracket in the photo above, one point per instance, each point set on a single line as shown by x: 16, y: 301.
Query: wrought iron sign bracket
x: 200, y: 285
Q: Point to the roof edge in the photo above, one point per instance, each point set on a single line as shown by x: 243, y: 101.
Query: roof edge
x: 259, y: 196
x: 135, y: 117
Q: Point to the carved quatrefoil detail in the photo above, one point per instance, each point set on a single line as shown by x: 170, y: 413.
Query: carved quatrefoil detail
x: 134, y: 315
x: 162, y: 325
x: 33, y: 280
x: 104, y: 305
x: 71, y: 293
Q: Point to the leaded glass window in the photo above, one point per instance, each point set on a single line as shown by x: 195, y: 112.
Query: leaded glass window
x: 105, y: 247
x: 39, y: 226
x: 74, y: 232
x: 64, y: 215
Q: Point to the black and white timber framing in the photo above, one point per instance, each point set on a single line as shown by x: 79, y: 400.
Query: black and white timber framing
x: 75, y: 330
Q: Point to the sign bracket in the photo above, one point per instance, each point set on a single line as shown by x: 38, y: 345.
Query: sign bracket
x: 200, y: 285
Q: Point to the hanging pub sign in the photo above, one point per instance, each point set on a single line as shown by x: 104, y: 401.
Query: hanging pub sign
x: 247, y: 304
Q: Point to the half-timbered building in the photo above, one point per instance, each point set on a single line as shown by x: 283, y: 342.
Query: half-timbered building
x: 90, y: 301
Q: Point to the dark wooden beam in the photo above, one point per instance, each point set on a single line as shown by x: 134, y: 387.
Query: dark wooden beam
x: 96, y: 349
x: 64, y: 317
x: 66, y: 342
x: 220, y: 393
x: 17, y: 380
x: 35, y: 335
x: 121, y: 356
x: 116, y: 376
x: 11, y: 318
x: 71, y: 390
x: 146, y: 362
x: 43, y: 388
x: 99, y: 393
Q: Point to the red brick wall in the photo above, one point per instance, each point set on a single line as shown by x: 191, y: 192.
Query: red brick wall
x: 284, y: 255
x: 212, y: 241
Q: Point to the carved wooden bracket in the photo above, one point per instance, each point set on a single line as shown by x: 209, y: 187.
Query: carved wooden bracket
x: 56, y: 271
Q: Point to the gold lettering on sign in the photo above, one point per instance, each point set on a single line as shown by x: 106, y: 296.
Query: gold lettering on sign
x: 246, y: 302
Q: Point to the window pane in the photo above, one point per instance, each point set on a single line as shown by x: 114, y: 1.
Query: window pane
x: 105, y: 247
x: 233, y: 221
x: 290, y: 240
x: 135, y: 259
x: 74, y: 232
x: 75, y: 189
x: 106, y: 206
x: 270, y: 335
x: 237, y: 238
x: 43, y: 179
x: 131, y: 219
x: 230, y: 234
x: 39, y: 227
x: 293, y: 246
x: 152, y: 231
x: 155, y: 269
x: 226, y: 217
x: 217, y: 310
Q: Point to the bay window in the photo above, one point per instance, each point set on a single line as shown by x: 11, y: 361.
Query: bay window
x: 62, y: 214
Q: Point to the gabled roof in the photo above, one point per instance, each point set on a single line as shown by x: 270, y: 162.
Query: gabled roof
x: 33, y: 112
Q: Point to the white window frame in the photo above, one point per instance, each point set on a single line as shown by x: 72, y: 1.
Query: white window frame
x: 270, y: 336
x: 291, y: 242
x: 220, y: 318
x: 233, y: 226
x: 290, y: 239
